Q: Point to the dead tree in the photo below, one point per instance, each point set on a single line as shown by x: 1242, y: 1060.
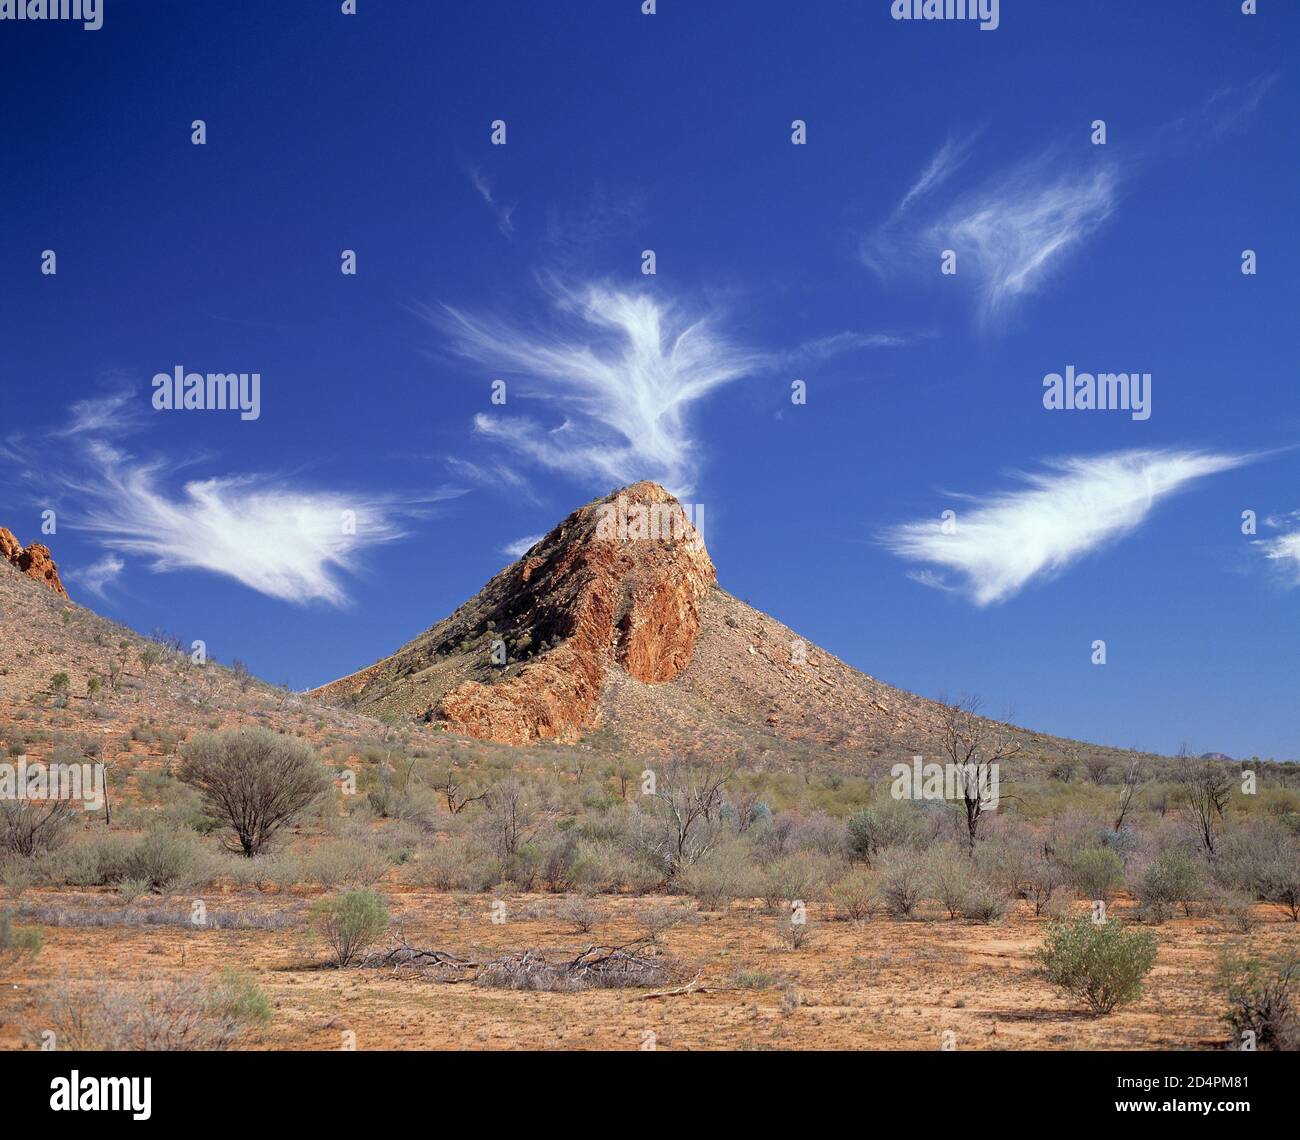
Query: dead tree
x: 976, y: 747
x: 683, y: 826
x: 1132, y: 781
x: 1207, y: 786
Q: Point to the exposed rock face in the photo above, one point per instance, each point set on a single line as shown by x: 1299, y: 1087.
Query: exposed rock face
x: 616, y: 586
x: 34, y: 561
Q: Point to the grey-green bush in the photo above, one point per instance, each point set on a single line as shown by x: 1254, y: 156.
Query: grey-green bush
x: 1102, y: 964
x: 350, y: 923
x: 253, y: 780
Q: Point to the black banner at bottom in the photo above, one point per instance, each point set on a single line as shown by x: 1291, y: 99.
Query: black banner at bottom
x: 331, y: 1089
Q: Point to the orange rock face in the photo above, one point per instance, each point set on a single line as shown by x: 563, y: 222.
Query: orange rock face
x: 617, y: 585
x: 34, y: 561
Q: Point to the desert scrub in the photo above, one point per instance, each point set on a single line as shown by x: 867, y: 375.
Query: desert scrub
x: 166, y: 861
x: 163, y: 1015
x: 1174, y: 878
x: 235, y: 995
x: 1101, y: 963
x: 984, y: 902
x: 720, y: 877
x: 856, y: 895
x: 1261, y: 999
x: 903, y: 881
x: 344, y: 862
x: 796, y: 878
x: 254, y: 781
x: 17, y: 945
x: 350, y: 923
x: 1095, y: 872
x: 580, y: 914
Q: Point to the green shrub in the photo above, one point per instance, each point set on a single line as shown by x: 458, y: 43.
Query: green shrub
x: 1173, y: 879
x: 18, y: 944
x: 350, y: 923
x: 1095, y: 872
x: 165, y: 860
x: 1101, y: 963
x: 236, y: 995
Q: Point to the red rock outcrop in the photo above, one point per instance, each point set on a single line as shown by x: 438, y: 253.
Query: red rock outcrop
x: 617, y: 585
x: 620, y: 582
x: 34, y: 561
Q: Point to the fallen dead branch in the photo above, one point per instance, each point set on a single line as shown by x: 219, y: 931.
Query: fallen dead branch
x: 691, y: 987
x: 636, y: 963
x: 436, y: 963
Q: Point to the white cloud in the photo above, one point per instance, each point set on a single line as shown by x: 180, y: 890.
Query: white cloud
x: 1284, y: 550
x: 99, y: 575
x: 521, y: 546
x: 1008, y: 539
x: 504, y: 214
x: 106, y: 415
x: 826, y: 347
x: 624, y: 368
x: 946, y: 161
x: 1009, y: 233
x: 286, y: 542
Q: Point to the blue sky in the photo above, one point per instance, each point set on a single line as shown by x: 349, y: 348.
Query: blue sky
x: 819, y: 262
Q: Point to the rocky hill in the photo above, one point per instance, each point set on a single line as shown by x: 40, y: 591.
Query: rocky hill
x: 613, y: 630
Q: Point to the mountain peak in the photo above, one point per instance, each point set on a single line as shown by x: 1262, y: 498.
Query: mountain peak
x: 614, y: 589
x: 35, y: 560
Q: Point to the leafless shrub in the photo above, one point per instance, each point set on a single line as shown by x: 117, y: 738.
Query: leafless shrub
x: 794, y: 930
x: 682, y: 821
x: 903, y: 881
x: 31, y: 827
x: 659, y: 919
x: 856, y: 896
x: 579, y: 913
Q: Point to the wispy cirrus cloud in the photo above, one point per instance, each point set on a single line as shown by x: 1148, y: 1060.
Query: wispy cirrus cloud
x: 624, y: 368
x: 947, y: 160
x: 1004, y: 541
x: 1010, y: 232
x: 98, y: 576
x: 504, y: 213
x: 1283, y: 550
x: 288, y: 542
